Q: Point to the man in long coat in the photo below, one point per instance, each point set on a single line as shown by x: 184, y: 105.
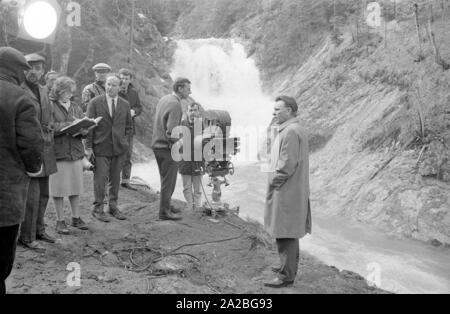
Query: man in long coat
x: 288, y: 214
x: 21, y: 146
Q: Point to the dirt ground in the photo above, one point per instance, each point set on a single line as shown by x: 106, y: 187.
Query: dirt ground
x: 145, y: 256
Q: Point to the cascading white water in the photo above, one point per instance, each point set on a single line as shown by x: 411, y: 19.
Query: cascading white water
x: 224, y: 78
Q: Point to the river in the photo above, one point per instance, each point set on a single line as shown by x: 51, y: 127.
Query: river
x: 223, y: 77
x: 396, y: 265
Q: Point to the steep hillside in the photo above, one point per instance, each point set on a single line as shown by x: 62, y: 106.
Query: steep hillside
x: 377, y: 109
x: 383, y: 163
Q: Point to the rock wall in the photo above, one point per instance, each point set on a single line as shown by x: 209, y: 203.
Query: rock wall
x: 378, y: 114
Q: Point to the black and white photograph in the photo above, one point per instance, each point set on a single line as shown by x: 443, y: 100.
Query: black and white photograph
x: 224, y: 154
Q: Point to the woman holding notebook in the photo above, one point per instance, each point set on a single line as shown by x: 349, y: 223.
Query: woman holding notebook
x: 69, y: 151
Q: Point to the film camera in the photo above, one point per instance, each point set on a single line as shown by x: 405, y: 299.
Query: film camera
x: 219, y: 148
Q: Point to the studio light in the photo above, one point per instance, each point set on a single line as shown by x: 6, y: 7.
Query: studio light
x: 39, y: 19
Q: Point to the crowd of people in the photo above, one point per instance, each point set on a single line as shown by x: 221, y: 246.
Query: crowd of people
x: 39, y: 160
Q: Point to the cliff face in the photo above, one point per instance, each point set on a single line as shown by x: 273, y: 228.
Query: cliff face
x: 377, y: 107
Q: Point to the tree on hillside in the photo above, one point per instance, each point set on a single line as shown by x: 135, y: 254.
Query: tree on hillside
x: 438, y: 58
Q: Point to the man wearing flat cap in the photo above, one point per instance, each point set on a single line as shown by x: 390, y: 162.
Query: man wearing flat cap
x: 168, y: 116
x: 97, y: 88
x: 21, y: 146
x: 33, y: 227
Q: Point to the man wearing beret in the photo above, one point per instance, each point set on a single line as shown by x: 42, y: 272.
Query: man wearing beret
x: 97, y: 88
x: 33, y: 227
x: 21, y: 146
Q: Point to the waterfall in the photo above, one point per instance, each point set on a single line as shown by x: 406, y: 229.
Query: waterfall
x: 224, y: 78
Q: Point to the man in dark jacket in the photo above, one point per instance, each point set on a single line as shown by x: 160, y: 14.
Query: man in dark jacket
x: 168, y: 116
x: 21, y: 145
x: 129, y: 93
x: 33, y: 227
x: 191, y: 170
x: 108, y: 142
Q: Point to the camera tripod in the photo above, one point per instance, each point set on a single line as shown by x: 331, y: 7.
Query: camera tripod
x: 217, y: 207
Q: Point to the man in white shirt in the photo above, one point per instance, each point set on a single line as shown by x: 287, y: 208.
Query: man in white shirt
x: 108, y: 143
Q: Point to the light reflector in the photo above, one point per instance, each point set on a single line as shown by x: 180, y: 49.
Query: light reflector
x: 40, y: 19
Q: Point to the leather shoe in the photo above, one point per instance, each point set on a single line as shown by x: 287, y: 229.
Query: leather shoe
x: 174, y: 210
x: 169, y: 216
x: 128, y: 186
x: 275, y: 269
x: 34, y: 246
x: 45, y: 238
x: 117, y: 214
x: 278, y: 283
x: 101, y: 217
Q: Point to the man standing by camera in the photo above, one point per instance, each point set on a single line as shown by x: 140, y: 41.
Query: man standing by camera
x: 288, y: 213
x: 168, y: 116
x: 130, y: 94
x: 192, y: 170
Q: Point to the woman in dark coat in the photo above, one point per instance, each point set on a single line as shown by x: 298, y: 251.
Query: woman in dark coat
x: 69, y: 151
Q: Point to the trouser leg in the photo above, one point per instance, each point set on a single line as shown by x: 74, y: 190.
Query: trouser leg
x: 101, y: 175
x: 187, y: 190
x: 289, y: 251
x: 196, y: 182
x: 114, y: 180
x: 168, y: 172
x: 8, y: 241
x: 28, y: 226
x: 127, y: 165
x: 43, y: 202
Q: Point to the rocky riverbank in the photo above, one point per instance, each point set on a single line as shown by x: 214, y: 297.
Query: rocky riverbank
x: 145, y: 256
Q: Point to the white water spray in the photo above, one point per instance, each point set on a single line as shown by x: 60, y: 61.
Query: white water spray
x: 224, y: 78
